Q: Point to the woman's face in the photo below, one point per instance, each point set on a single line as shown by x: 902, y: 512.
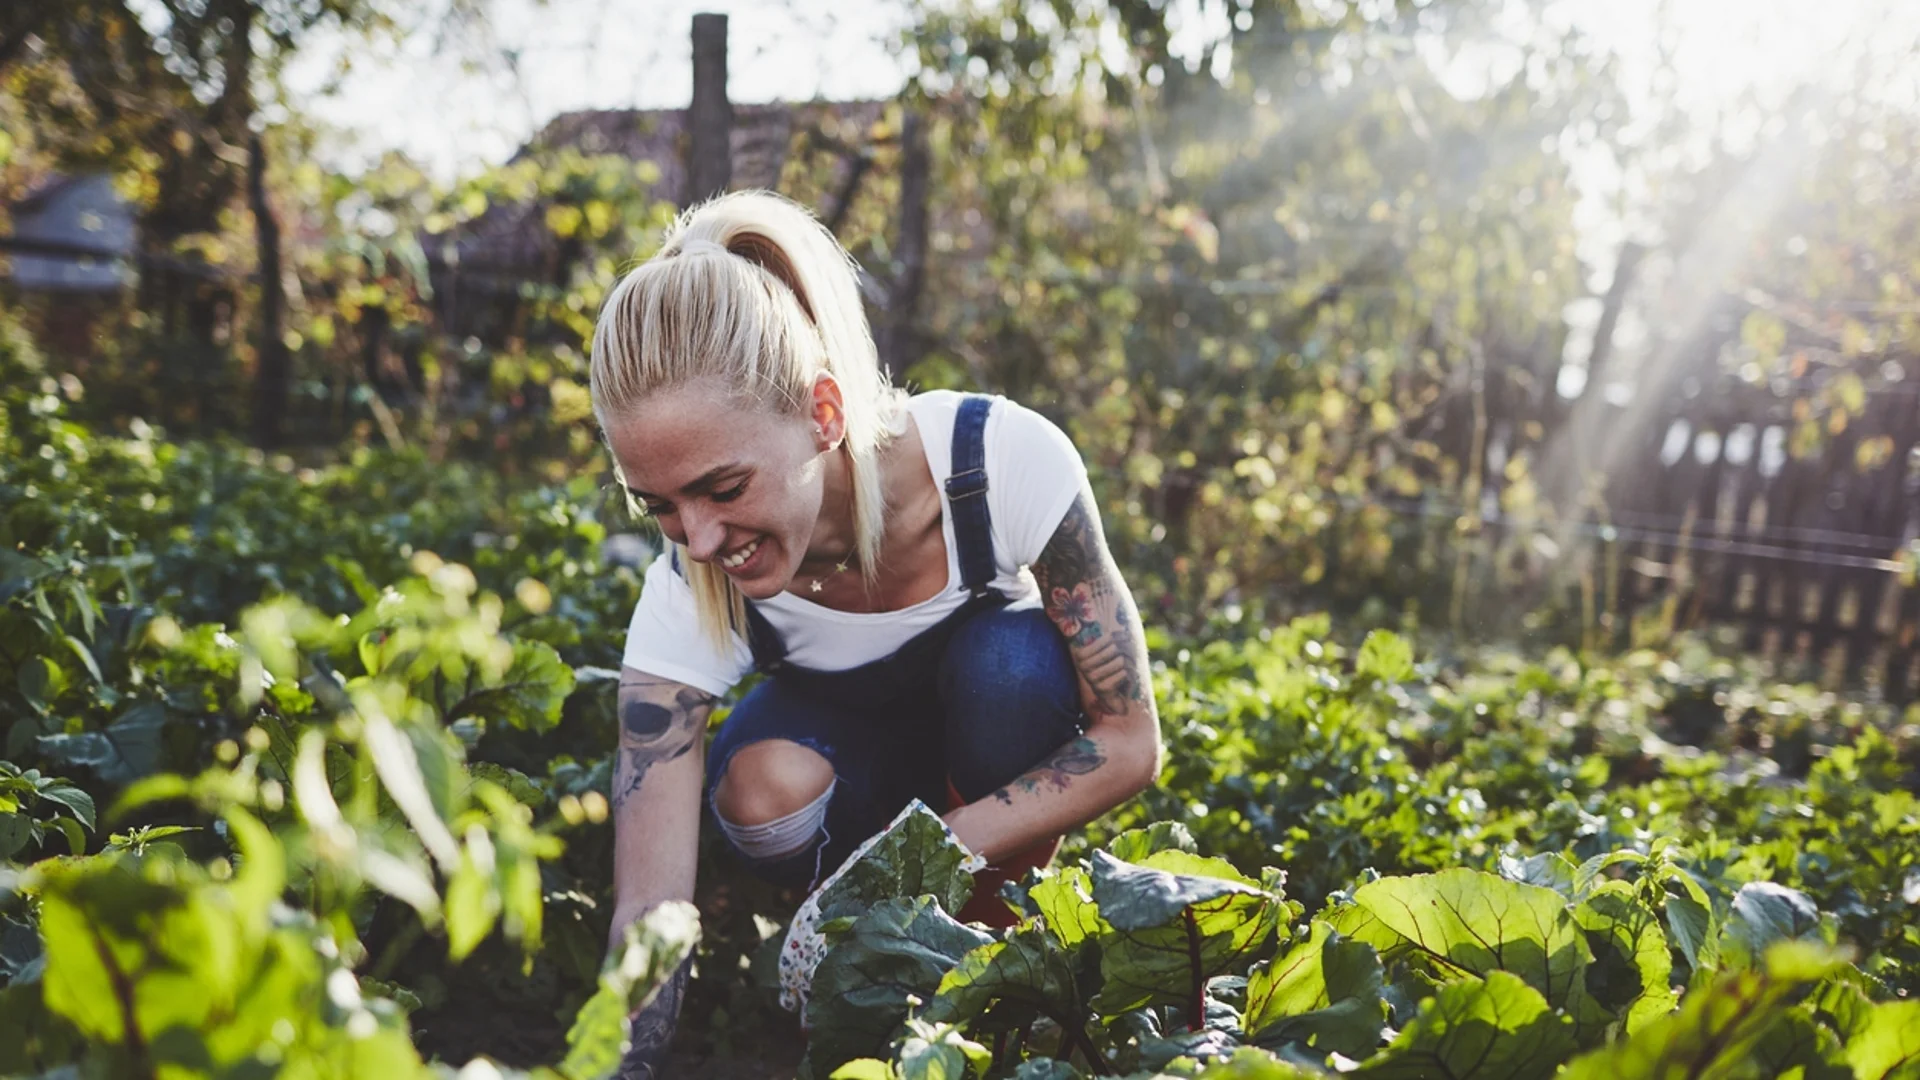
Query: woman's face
x: 739, y: 486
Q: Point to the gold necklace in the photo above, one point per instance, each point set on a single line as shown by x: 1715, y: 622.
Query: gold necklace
x: 819, y: 584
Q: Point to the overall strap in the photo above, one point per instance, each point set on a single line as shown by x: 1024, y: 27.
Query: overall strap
x: 769, y: 651
x: 967, y: 494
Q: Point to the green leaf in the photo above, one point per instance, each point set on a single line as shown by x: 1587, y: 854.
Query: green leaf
x: 1065, y: 900
x: 472, y: 907
x: 1159, y: 1052
x: 1045, y: 1068
x: 917, y: 857
x: 1473, y: 923
x: 76, y: 839
x: 79, y: 802
x: 939, y: 1052
x: 865, y: 1069
x: 126, y: 751
x: 1549, y: 870
x: 1176, y: 921
x: 121, y: 947
x: 1887, y: 1044
x: 397, y: 759
x: 1632, y: 970
x: 1499, y: 1028
x: 1385, y: 656
x: 654, y: 948
x: 1028, y: 968
x: 1691, y: 924
x: 1248, y: 1063
x: 1717, y: 1028
x: 16, y: 831
x: 1135, y: 845
x: 1764, y: 913
x: 897, y: 949
x: 527, y: 696
x: 1324, y: 992
x: 1137, y: 897
x: 1796, y: 1041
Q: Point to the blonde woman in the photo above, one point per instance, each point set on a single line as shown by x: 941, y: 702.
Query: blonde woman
x: 923, y: 580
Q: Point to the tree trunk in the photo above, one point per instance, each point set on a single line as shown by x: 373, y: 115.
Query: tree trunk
x: 899, y: 344
x: 274, y: 373
x: 710, y: 119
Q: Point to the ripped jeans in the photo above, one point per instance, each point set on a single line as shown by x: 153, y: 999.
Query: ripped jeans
x: 974, y: 702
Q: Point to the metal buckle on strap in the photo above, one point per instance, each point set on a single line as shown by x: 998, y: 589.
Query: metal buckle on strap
x: 956, y: 489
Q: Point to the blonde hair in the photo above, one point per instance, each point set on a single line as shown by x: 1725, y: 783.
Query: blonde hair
x: 750, y: 291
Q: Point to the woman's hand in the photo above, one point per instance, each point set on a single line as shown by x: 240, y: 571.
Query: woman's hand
x: 1120, y: 752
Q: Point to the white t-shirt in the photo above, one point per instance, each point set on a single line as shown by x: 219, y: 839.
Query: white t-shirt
x: 1033, y: 475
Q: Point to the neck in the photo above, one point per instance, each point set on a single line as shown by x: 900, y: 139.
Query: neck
x: 834, y: 532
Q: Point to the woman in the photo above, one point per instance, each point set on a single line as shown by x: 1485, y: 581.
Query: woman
x: 923, y: 580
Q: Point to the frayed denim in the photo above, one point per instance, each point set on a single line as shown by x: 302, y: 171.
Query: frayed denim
x: 974, y: 705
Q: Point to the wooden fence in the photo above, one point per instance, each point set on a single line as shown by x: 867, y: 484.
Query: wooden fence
x: 1731, y: 504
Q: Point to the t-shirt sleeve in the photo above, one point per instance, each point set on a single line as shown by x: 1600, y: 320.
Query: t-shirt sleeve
x: 665, y: 639
x: 1034, y: 473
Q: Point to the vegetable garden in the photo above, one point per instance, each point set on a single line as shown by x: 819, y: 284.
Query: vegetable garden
x: 306, y: 767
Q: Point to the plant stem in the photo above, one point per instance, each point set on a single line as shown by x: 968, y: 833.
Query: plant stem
x: 1197, y: 1001
x: 129, y: 1017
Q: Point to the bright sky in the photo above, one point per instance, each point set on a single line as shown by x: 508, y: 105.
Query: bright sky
x: 556, y: 55
x: 581, y: 54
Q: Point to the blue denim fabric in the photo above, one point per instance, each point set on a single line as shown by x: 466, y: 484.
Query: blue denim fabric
x: 1000, y: 696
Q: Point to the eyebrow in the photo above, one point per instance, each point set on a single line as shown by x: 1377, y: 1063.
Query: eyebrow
x: 699, y: 484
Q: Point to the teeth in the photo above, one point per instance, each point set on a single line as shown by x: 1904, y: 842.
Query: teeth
x: 745, y: 553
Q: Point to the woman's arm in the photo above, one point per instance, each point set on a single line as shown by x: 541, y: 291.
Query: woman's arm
x: 1120, y: 752
x: 657, y: 773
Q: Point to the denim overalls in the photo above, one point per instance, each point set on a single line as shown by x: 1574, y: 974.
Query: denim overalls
x: 974, y: 701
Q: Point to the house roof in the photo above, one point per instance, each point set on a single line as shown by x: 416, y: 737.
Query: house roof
x: 513, y: 238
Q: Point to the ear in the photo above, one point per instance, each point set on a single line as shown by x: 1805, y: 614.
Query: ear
x: 828, y: 415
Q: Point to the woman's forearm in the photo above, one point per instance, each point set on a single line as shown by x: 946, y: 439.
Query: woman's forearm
x: 1070, y: 787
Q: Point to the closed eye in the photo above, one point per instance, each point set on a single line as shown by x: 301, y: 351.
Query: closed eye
x: 731, y: 493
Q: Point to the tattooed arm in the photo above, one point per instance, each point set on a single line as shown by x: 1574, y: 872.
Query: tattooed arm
x: 656, y: 832
x: 1120, y: 752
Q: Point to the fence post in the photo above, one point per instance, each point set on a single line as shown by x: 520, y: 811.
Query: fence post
x: 710, y: 118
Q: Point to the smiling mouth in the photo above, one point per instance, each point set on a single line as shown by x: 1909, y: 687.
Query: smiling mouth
x: 739, y: 558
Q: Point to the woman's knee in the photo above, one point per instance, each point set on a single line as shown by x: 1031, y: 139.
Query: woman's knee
x: 770, y: 780
x: 1011, y: 697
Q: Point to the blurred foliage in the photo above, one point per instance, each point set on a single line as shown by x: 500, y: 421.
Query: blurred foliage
x: 1281, y: 286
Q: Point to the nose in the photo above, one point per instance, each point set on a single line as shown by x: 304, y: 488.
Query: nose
x: 706, y: 534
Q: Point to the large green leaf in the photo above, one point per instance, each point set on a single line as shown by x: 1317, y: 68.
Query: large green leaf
x: 527, y: 696
x: 1028, y: 968
x: 1499, y: 1028
x: 1065, y: 900
x: 1764, y: 913
x: 1176, y: 921
x: 897, y: 949
x: 1248, y: 1063
x: 1796, y: 1041
x: 129, y: 956
x: 1886, y: 1045
x: 1135, y: 845
x: 916, y: 857
x: 1473, y: 923
x: 127, y: 750
x: 1142, y: 897
x: 1324, y: 992
x: 1632, y: 968
x: 1716, y: 1031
